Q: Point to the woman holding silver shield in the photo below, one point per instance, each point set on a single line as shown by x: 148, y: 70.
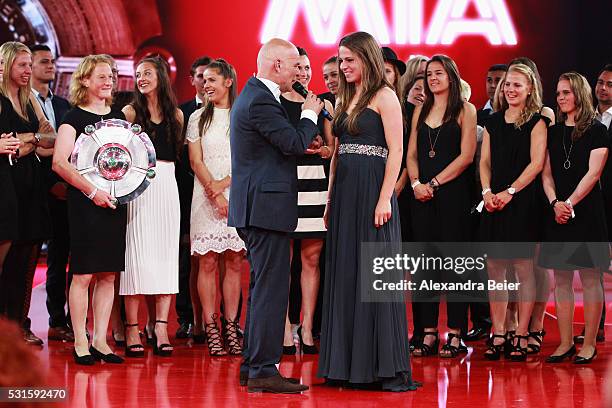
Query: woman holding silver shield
x: 153, y: 230
x: 97, y: 224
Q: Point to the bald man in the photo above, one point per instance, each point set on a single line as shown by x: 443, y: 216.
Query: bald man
x: 263, y: 205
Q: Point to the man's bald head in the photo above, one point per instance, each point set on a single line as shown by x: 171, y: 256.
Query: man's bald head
x: 277, y: 61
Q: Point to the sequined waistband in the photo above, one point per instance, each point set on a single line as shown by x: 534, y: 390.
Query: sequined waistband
x: 368, y: 150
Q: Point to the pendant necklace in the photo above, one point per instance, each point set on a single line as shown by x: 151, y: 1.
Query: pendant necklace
x: 567, y: 163
x: 432, y: 145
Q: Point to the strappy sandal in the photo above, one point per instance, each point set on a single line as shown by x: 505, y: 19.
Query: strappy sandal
x: 232, y: 339
x: 496, y: 349
x: 213, y: 338
x: 538, y: 336
x: 452, y: 351
x: 516, y: 348
x: 133, y: 350
x: 163, y: 350
x: 423, y: 349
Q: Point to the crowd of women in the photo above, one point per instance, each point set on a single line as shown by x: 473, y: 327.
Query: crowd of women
x: 406, y: 157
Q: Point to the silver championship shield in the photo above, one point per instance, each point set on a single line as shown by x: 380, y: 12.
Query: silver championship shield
x: 116, y: 156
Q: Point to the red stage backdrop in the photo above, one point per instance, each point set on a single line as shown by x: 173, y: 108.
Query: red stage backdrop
x: 559, y: 35
x: 476, y: 34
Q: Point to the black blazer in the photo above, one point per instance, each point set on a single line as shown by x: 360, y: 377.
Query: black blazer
x: 264, y: 144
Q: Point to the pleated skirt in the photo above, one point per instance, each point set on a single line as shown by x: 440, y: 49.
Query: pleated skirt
x: 152, y: 237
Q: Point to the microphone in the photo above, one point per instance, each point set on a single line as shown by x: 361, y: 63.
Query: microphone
x: 299, y: 88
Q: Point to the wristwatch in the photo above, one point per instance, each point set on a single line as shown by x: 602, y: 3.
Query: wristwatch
x: 485, y: 191
x: 511, y: 190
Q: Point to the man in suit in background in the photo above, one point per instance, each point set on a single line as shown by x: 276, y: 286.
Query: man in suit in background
x: 494, y: 75
x: 184, y: 180
x: 54, y: 108
x: 263, y: 205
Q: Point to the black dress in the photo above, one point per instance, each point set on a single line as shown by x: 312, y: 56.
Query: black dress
x: 8, y: 203
x: 582, y: 242
x: 518, y: 222
x: 30, y: 219
x: 407, y: 195
x: 361, y: 342
x: 446, y: 217
x: 313, y: 180
x: 97, y: 235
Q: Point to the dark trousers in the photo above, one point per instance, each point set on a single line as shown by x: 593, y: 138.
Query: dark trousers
x: 268, y: 256
x: 184, y: 309
x: 480, y: 315
x: 57, y: 261
x: 16, y: 281
x: 602, y: 321
x: 428, y: 309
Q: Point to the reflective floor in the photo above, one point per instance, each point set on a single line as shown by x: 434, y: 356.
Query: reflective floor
x: 190, y: 378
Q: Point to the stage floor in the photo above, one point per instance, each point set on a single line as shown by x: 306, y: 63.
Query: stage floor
x: 190, y: 378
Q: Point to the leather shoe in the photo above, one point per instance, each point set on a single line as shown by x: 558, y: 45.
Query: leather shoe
x: 184, y: 331
x: 61, y: 333
x: 244, y: 378
x: 477, y: 333
x: 31, y: 339
x: 275, y: 384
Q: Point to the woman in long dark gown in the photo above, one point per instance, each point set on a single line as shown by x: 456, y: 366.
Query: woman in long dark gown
x: 363, y: 342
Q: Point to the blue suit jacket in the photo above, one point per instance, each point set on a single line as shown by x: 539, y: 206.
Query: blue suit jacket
x: 264, y: 144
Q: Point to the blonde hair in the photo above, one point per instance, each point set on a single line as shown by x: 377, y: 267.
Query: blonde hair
x: 533, y: 104
x: 412, y: 70
x: 8, y: 53
x: 78, y: 91
x: 466, y: 90
x: 585, y: 112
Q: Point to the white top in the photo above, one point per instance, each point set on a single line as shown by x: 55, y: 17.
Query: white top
x: 605, y: 117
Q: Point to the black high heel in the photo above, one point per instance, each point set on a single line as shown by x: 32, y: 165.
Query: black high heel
x: 149, y: 336
x: 558, y: 359
x: 132, y: 349
x: 516, y: 348
x: 496, y: 349
x: 107, y: 358
x: 87, y: 359
x: 232, y: 340
x: 162, y: 350
x: 425, y: 349
x: 213, y: 337
x: 306, y: 348
x: 537, y: 336
x: 453, y: 350
x: 118, y: 343
x: 585, y: 360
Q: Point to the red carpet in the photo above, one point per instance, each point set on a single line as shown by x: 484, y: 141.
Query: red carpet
x: 192, y: 379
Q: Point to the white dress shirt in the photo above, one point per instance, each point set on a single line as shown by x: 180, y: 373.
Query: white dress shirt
x: 605, y: 117
x: 47, y: 106
x: 275, y: 89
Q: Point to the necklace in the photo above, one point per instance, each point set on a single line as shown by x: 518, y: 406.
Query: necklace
x: 567, y: 163
x: 432, y: 145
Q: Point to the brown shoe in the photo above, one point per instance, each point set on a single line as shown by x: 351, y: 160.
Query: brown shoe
x: 275, y: 384
x: 31, y: 339
x: 60, y: 334
x: 244, y: 378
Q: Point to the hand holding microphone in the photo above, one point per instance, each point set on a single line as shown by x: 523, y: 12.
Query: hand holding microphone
x: 311, y: 101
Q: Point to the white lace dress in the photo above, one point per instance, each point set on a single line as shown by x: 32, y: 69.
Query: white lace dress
x: 209, y: 230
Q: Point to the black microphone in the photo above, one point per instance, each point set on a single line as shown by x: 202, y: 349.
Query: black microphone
x: 299, y: 88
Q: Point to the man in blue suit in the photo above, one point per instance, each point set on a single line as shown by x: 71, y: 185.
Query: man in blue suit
x: 263, y: 205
